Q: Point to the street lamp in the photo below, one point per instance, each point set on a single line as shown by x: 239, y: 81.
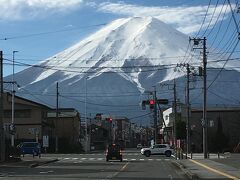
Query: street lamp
x: 13, y: 94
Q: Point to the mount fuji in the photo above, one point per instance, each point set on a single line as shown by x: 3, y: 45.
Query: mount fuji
x: 112, y: 70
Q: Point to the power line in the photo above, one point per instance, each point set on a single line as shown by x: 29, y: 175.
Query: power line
x: 209, y: 23
x: 222, y: 67
x: 204, y: 19
x: 107, y: 105
x: 49, y: 32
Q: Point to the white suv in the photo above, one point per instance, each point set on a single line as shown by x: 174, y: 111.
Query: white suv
x: 164, y: 149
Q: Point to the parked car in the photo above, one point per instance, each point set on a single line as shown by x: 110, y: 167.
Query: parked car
x: 33, y: 148
x: 114, y: 152
x: 163, y: 149
x: 139, y: 146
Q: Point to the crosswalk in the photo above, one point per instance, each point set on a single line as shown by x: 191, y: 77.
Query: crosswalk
x: 81, y: 159
x: 99, y: 154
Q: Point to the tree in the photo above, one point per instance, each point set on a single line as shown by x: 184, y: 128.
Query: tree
x: 181, y: 129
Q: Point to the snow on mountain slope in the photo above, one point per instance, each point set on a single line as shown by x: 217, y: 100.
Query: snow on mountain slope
x: 116, y: 45
x: 113, y: 67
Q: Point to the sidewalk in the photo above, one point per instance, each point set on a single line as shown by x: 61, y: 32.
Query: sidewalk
x: 225, y: 167
x: 29, y: 161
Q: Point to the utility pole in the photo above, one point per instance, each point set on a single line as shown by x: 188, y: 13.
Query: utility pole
x: 175, y: 117
x: 13, y: 99
x: 187, y: 99
x: 2, y: 137
x: 188, y: 112
x: 204, y: 74
x: 86, y: 121
x: 155, y: 115
x: 205, y: 121
x: 57, y: 119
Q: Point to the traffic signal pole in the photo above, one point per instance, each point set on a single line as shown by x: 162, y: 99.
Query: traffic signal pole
x: 175, y: 118
x: 155, y: 116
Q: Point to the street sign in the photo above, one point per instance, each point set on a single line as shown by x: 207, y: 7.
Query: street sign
x: 46, y: 141
x: 162, y: 101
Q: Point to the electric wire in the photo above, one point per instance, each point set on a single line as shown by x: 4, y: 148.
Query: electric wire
x: 209, y: 23
x: 49, y: 32
x: 204, y: 19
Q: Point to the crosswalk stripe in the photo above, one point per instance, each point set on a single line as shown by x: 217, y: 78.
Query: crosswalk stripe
x: 78, y: 160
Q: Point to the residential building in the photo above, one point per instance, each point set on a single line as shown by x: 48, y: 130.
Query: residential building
x: 29, y: 118
x: 122, y: 132
x: 66, y: 127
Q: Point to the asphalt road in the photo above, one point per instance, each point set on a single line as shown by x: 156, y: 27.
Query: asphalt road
x: 94, y: 166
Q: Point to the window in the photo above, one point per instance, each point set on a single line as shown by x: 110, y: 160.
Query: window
x: 25, y: 113
x: 162, y: 146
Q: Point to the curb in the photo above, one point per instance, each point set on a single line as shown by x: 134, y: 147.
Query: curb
x: 42, y: 163
x: 189, y: 174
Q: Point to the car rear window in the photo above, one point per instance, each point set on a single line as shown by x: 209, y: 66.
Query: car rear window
x: 29, y: 144
x: 114, y: 148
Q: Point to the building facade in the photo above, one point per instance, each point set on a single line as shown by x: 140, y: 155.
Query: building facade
x: 223, y: 127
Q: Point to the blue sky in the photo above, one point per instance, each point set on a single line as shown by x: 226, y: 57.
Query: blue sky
x: 39, y: 29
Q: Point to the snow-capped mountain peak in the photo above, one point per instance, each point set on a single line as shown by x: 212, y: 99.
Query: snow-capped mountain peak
x: 124, y: 42
x: 115, y: 65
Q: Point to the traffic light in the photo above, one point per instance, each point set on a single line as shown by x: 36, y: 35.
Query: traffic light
x: 109, y: 119
x: 98, y: 116
x: 151, y: 103
x: 144, y: 105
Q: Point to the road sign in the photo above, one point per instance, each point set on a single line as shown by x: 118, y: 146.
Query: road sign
x: 46, y: 141
x: 162, y: 101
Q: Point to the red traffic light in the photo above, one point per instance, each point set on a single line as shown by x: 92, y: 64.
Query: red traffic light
x: 151, y: 102
x: 109, y: 119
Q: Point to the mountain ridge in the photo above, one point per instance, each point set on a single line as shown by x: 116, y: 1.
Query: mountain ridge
x: 128, y: 55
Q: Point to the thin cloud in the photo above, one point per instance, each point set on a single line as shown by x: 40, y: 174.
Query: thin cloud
x: 186, y: 19
x: 25, y: 9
